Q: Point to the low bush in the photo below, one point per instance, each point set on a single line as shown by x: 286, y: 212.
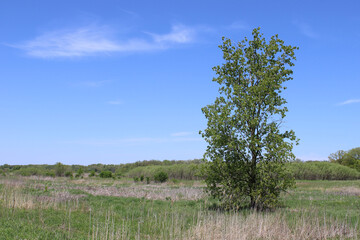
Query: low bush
x: 106, y: 174
x: 31, y: 171
x: 161, y: 177
x: 50, y: 174
x: 92, y: 173
x: 177, y: 171
x: 316, y: 170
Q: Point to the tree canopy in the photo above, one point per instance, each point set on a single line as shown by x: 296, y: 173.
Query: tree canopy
x: 246, y: 148
x: 349, y: 158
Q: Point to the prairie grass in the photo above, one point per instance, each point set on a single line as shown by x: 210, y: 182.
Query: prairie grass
x: 270, y: 226
x: 15, y: 194
x: 43, y: 208
x: 155, y: 192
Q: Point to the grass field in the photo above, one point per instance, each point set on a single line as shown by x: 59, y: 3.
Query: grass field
x: 94, y: 208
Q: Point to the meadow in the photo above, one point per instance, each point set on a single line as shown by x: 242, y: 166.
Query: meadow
x: 37, y: 207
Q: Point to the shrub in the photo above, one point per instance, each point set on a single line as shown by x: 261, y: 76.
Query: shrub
x: 106, y: 174
x: 183, y: 171
x: 79, y: 172
x: 92, y: 173
x: 68, y: 174
x: 142, y: 178
x: 50, y: 174
x: 161, y: 177
x: 59, y: 169
x: 136, y: 179
x: 147, y: 180
x: 175, y: 181
x: 30, y: 171
x: 322, y: 171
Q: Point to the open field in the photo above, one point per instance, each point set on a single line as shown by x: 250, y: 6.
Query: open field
x: 94, y: 208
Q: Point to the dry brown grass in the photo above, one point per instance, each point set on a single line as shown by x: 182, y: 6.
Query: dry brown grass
x: 13, y: 196
x: 155, y: 192
x: 267, y: 226
x: 350, y: 191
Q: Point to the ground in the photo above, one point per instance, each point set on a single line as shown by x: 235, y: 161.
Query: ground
x: 94, y: 208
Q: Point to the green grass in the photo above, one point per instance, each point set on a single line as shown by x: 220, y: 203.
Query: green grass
x: 109, y: 217
x: 318, y: 196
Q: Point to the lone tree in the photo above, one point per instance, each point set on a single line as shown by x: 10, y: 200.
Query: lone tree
x: 247, y: 151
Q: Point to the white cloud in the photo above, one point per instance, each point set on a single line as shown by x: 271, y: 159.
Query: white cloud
x: 306, y: 29
x: 350, y: 101
x: 131, y: 141
x: 115, y: 102
x: 67, y: 43
x: 94, y: 40
x: 178, y: 34
x: 181, y: 134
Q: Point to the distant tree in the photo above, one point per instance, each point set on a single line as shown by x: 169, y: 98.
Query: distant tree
x: 352, y: 158
x: 246, y: 153
x: 349, y: 158
x: 337, y: 156
x: 59, y: 169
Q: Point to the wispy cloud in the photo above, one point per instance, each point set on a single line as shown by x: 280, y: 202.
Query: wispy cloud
x: 350, y: 101
x: 238, y: 25
x: 306, y: 29
x: 181, y: 134
x: 131, y: 141
x: 95, y: 40
x: 178, y: 34
x: 115, y: 102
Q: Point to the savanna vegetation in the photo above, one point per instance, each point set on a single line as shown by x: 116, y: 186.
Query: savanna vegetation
x: 179, y: 170
x: 248, y: 186
x: 106, y: 208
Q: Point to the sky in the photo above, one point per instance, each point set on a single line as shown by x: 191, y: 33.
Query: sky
x: 113, y: 82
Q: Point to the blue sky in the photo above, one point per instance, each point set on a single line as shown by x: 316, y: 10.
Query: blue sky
x: 106, y: 81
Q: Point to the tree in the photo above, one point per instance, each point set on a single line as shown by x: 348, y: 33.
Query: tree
x: 246, y: 150
x: 352, y: 158
x: 59, y: 169
x: 337, y: 156
x: 349, y: 158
